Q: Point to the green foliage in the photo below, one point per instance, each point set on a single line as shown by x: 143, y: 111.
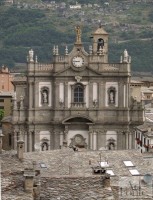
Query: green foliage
x: 1, y: 114
x: 128, y: 35
x: 151, y: 16
x: 146, y: 34
x: 1, y: 2
x: 140, y: 51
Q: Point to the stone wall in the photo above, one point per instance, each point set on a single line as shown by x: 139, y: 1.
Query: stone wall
x: 75, y: 188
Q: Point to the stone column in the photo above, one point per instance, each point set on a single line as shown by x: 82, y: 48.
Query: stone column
x: 101, y: 95
x: 120, y: 94
x: 25, y: 139
x: 61, y: 138
x: 30, y: 141
x: 90, y: 95
x: 30, y: 95
x: 124, y: 95
x: 128, y: 88
x: 1, y: 142
x: 15, y: 140
x: 36, y: 91
x: 66, y: 95
x: 51, y: 140
x: 56, y: 139
x: 65, y: 139
x: 20, y: 149
x: 91, y: 140
x: 130, y: 140
x: 94, y: 141
x: 56, y: 98
x: 127, y: 140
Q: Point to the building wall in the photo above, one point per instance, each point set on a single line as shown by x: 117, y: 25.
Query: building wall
x: 106, y: 110
x: 6, y: 79
x: 6, y: 104
x: 7, y: 139
x: 136, y: 92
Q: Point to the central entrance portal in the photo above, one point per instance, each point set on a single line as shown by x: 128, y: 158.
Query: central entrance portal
x: 78, y: 132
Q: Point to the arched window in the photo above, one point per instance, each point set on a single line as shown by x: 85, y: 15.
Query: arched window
x: 78, y: 93
x: 100, y: 43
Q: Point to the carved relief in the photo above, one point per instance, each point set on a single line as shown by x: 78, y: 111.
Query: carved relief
x: 78, y: 141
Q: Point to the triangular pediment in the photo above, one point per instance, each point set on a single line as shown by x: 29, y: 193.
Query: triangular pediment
x: 72, y: 72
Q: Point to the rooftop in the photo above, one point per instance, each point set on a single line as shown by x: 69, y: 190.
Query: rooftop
x: 66, y: 167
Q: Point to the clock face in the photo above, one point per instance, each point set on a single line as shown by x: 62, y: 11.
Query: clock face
x: 78, y: 61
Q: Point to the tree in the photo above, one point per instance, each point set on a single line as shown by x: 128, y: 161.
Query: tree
x: 1, y: 2
x: 1, y: 114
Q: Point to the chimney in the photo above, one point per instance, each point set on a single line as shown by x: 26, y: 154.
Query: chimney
x: 20, y: 149
x: 29, y: 174
x: 105, y: 180
x: 1, y: 141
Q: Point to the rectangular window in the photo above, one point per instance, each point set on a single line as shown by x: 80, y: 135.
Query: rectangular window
x: 128, y: 163
x: 134, y: 172
x: 10, y: 140
x: 1, y: 100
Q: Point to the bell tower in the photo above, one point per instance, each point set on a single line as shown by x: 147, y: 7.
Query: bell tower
x: 100, y: 43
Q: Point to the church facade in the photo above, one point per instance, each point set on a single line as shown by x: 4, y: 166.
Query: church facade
x: 79, y: 100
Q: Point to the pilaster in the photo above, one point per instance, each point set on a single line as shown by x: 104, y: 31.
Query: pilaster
x: 90, y: 94
x: 95, y: 140
x: 15, y: 140
x: 102, y: 95
x: 61, y: 138
x: 56, y: 97
x: 91, y: 140
x: 127, y: 140
x: 66, y: 94
x: 30, y: 95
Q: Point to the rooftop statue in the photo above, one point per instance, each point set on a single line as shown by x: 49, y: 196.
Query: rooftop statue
x: 78, y: 34
x: 31, y: 53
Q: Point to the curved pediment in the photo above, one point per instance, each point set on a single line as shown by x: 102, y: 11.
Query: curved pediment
x: 78, y: 119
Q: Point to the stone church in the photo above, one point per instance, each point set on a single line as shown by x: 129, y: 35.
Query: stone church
x: 79, y: 100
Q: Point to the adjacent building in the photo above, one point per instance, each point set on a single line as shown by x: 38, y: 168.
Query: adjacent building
x: 6, y: 79
x: 6, y: 102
